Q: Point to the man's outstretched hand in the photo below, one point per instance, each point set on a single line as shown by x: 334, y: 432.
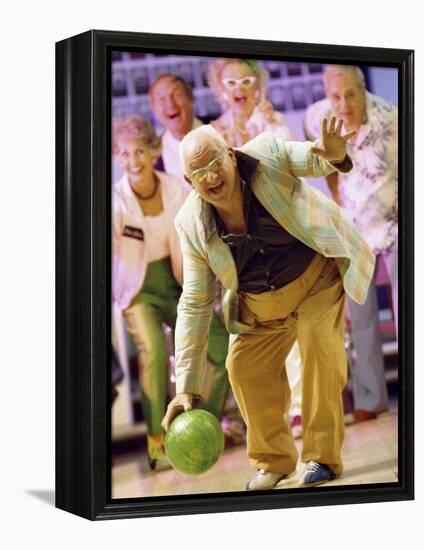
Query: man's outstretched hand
x: 181, y: 402
x: 334, y: 145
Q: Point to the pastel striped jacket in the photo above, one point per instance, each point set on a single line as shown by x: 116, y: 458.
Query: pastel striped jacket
x: 302, y: 210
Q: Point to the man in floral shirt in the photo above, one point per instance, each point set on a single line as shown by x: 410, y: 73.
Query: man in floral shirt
x: 369, y: 194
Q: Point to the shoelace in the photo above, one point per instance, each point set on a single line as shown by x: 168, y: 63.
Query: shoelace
x: 312, y: 466
x: 260, y: 473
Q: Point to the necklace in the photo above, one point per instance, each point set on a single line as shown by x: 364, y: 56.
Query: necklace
x: 238, y: 126
x: 152, y: 194
x: 243, y: 133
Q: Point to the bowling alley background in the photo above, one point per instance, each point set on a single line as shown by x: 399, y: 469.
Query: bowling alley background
x: 292, y: 88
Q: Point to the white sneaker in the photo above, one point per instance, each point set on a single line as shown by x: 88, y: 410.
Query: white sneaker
x: 265, y: 480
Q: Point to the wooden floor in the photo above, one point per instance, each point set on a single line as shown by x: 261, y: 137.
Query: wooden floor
x: 369, y: 454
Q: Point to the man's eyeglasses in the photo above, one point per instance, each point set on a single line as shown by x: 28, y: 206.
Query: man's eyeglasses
x: 199, y: 174
x: 245, y: 82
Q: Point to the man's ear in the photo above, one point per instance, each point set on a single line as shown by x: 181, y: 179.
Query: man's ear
x: 232, y: 154
x: 188, y: 180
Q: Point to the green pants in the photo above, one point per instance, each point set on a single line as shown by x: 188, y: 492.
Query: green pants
x: 156, y: 303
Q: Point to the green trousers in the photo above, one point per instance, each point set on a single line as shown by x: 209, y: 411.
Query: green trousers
x: 155, y: 304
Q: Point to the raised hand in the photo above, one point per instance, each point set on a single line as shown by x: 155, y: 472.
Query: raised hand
x: 334, y: 145
x: 265, y: 107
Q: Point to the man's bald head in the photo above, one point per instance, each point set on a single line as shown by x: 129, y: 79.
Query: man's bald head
x: 333, y: 71
x: 211, y: 168
x: 197, y: 143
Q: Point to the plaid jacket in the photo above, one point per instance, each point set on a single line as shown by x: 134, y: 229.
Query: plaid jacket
x: 303, y: 211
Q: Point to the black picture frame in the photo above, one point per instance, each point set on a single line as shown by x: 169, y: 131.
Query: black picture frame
x: 83, y: 275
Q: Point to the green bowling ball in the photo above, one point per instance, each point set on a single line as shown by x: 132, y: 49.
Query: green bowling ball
x: 194, y: 442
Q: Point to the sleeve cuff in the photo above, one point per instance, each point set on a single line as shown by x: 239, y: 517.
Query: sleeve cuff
x: 190, y: 382
x: 345, y: 165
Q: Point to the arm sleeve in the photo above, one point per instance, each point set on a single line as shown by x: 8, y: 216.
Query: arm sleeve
x: 116, y: 246
x: 194, y: 316
x: 116, y: 226
x: 301, y: 162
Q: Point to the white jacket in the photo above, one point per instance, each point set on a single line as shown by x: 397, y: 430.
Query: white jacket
x: 129, y: 234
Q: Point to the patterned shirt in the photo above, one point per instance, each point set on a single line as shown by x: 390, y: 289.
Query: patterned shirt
x: 369, y: 193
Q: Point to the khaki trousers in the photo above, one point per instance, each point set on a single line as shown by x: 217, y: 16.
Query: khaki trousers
x: 311, y: 310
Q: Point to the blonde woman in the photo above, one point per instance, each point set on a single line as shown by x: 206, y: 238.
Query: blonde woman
x: 240, y: 88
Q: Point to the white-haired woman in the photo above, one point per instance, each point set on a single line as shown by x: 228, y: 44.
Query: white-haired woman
x: 147, y: 273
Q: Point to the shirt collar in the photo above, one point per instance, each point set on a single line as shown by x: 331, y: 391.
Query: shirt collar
x: 167, y: 136
x: 246, y: 166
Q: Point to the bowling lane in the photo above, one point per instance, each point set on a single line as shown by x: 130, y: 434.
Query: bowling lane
x: 369, y: 452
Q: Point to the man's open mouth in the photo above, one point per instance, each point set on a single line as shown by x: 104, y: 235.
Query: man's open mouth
x: 217, y: 189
